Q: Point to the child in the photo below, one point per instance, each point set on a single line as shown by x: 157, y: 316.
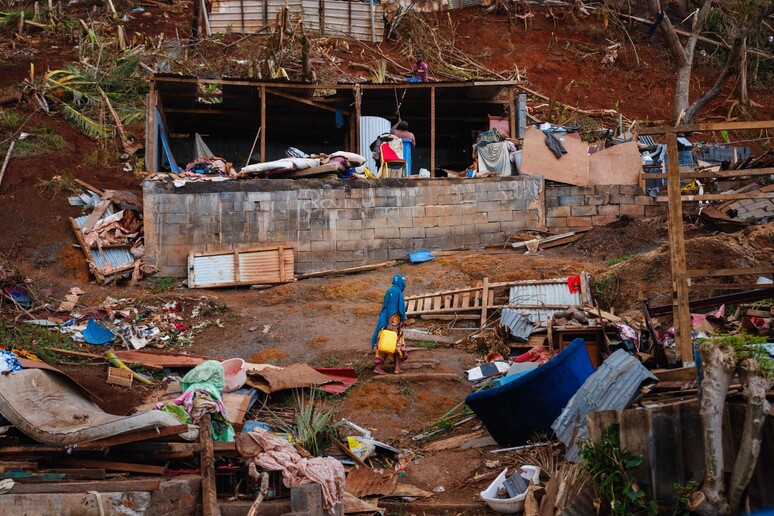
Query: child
x: 390, y: 345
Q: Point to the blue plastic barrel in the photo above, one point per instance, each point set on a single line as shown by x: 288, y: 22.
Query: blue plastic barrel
x: 407, y: 147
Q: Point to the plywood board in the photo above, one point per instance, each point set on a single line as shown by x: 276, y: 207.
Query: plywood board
x: 538, y: 160
x: 617, y: 165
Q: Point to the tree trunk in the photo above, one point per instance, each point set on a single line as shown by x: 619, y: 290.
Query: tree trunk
x: 682, y: 91
x: 719, y: 365
x: 755, y: 386
x: 732, y: 65
x: 742, y: 95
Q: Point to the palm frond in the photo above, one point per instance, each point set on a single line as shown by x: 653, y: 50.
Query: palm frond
x: 85, y: 124
x: 130, y: 118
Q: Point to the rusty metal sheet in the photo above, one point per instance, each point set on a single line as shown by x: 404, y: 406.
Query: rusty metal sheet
x: 363, y: 481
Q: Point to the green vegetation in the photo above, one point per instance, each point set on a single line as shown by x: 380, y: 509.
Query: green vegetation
x: 101, y: 156
x: 426, y: 344
x: 332, y: 362
x: 60, y: 183
x: 313, y: 428
x: 746, y: 347
x: 613, y: 261
x: 682, y: 492
x: 36, y: 340
x: 161, y: 285
x: 405, y: 389
x: 608, y: 468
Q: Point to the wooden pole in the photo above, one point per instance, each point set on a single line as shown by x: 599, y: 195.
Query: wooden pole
x: 152, y: 136
x: 207, y: 465
x: 512, y: 112
x: 263, y: 124
x: 432, y: 131
x: 680, y: 298
x: 358, y: 100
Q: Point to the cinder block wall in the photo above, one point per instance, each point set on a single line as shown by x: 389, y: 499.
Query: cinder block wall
x: 572, y: 208
x: 334, y: 224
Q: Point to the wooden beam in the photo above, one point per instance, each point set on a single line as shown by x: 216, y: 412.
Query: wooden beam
x: 484, y: 300
x: 152, y: 135
x: 303, y: 101
x: 730, y: 286
x: 102, y: 486
x: 700, y: 273
x: 207, y: 466
x: 113, y: 465
x: 263, y: 124
x: 512, y: 111
x: 337, y: 86
x: 358, y: 101
x: 432, y: 131
x: 755, y: 194
x: 86, y: 251
x: 719, y: 126
x: 719, y: 174
x: 680, y: 296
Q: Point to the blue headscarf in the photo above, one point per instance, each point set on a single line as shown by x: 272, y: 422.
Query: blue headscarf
x: 394, y: 303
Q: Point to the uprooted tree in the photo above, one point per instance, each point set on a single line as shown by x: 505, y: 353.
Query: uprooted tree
x: 740, y: 19
x: 721, y: 358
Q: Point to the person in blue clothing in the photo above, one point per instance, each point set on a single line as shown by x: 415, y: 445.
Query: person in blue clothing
x: 391, y: 318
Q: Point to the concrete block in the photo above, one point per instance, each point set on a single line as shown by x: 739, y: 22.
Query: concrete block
x: 552, y: 202
x: 584, y: 211
x: 512, y: 226
x: 425, y: 222
x: 621, y: 199
x: 345, y: 224
x: 176, y: 218
x: 488, y: 227
x: 439, y: 211
x: 579, y: 222
x: 611, y: 210
x: 387, y: 232
x: 400, y: 222
x: 561, y: 211
x: 630, y: 190
x: 317, y: 246
x: 599, y: 221
x: 596, y: 200
x: 348, y: 245
x: 478, y: 218
x: 501, y: 215
x: 560, y: 222
x: 645, y: 200
x: 570, y: 200
x: 454, y: 220
x: 438, y: 232
x: 414, y: 232
x: 633, y: 210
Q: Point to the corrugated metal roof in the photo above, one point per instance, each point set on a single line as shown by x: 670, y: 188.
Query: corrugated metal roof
x: 107, y: 257
x: 519, y: 325
x: 340, y: 17
x: 611, y: 387
x: 544, y: 293
x: 208, y: 271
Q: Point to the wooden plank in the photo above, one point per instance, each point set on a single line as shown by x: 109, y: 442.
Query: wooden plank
x: 465, y: 302
x: 207, y: 465
x: 720, y: 126
x: 726, y: 286
x: 411, y: 305
x: 447, y: 299
x: 104, y: 486
x: 485, y: 296
x: 77, y: 473
x: 351, y: 270
x: 680, y: 296
x: 437, y: 302
x: 237, y: 277
x: 745, y: 172
x: 122, y: 377
x: 635, y: 437
x: 740, y: 271
x: 281, y: 260
x: 721, y: 197
x: 457, y: 301
x: 450, y: 317
x: 86, y: 249
x: 87, y: 186
x: 98, y: 211
x: 138, y: 436
x: 303, y: 101
x: 112, y: 465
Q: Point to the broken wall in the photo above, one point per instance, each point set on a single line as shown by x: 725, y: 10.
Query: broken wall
x: 332, y: 223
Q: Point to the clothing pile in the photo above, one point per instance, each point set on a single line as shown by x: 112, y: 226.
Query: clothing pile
x: 495, y: 154
x: 274, y: 453
x: 202, y: 394
x: 299, y: 165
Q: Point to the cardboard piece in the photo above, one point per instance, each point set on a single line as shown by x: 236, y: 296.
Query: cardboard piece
x: 617, y: 165
x: 295, y: 376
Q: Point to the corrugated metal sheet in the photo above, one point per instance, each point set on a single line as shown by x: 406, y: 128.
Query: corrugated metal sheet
x: 548, y: 293
x: 255, y: 267
x: 370, y: 128
x: 111, y: 257
x: 519, y: 325
x: 341, y: 17
x: 611, y: 387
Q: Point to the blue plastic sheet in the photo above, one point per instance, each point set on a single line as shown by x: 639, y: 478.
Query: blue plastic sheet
x: 97, y: 333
